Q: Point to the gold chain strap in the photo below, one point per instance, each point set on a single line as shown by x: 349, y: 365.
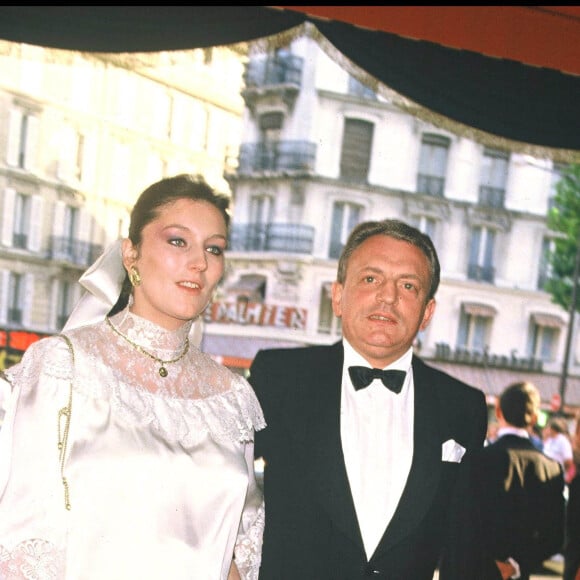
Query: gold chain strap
x: 64, y: 416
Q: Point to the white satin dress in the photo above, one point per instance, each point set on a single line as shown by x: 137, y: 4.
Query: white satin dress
x: 157, y: 472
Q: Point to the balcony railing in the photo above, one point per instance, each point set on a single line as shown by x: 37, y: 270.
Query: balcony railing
x: 481, y: 273
x: 430, y: 185
x: 491, y: 196
x: 277, y: 156
x: 74, y: 251
x: 279, y: 69
x: 276, y: 237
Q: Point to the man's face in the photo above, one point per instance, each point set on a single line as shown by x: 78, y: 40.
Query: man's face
x: 383, y: 301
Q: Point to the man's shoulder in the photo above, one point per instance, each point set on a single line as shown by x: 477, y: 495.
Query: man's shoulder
x: 316, y: 353
x: 444, y: 380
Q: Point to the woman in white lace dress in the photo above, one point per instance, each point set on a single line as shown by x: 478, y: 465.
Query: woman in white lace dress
x: 126, y: 453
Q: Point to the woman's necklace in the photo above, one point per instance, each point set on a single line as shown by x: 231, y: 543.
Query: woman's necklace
x: 162, y: 369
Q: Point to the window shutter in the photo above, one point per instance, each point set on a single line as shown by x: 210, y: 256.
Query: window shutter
x: 4, y: 277
x: 356, y: 150
x: 26, y: 298
x: 14, y: 137
x: 54, y: 287
x: 35, y: 237
x: 31, y: 143
x: 84, y: 229
x: 8, y: 217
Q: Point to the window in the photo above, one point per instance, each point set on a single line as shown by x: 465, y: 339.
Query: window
x: 356, y: 150
x: 424, y: 224
x: 72, y: 153
x: 345, y: 216
x: 65, y: 302
x: 22, y: 139
x: 269, y: 146
x: 14, y: 299
x: 261, y: 210
x: 21, y: 220
x: 481, y: 249
x: 71, y: 234
x: 357, y: 89
x: 545, y: 268
x: 328, y: 323
x: 543, y: 337
x: 432, y: 165
x: 494, y: 172
x: 296, y: 207
x: 474, y: 327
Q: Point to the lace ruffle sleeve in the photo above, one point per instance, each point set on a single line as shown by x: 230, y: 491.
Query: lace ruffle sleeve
x: 248, y: 550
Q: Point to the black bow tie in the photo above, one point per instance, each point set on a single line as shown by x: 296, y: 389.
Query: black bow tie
x: 362, y: 377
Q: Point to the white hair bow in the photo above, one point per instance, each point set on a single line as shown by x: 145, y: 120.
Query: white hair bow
x: 103, y: 281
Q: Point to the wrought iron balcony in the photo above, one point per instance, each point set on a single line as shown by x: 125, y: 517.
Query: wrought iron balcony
x: 276, y: 156
x: 74, y: 251
x: 279, y: 69
x: 274, y: 237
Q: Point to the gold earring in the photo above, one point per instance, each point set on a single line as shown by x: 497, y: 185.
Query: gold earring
x: 134, y: 276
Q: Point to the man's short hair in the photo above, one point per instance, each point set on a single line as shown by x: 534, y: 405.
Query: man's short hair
x: 398, y: 230
x: 558, y: 425
x: 520, y: 403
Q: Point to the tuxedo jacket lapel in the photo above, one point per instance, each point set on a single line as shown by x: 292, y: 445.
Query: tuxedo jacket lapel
x: 426, y: 465
x: 328, y: 467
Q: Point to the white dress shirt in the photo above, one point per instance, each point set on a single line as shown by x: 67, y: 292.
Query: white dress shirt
x: 376, y: 427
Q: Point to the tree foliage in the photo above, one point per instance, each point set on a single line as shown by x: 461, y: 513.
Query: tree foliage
x: 564, y: 218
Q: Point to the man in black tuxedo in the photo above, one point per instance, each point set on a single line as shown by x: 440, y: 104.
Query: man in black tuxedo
x: 367, y: 481
x: 522, y: 491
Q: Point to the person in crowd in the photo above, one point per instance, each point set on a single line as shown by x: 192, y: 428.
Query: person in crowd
x: 491, y: 436
x: 572, y: 542
x: 575, y: 440
x: 366, y: 472
x: 558, y: 446
x: 536, y: 436
x: 125, y: 451
x: 521, y: 491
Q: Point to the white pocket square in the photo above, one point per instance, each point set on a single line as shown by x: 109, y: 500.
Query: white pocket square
x: 452, y: 451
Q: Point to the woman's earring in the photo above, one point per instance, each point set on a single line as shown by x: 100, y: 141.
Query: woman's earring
x: 134, y: 276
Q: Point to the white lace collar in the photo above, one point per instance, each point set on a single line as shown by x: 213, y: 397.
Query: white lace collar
x: 150, y: 336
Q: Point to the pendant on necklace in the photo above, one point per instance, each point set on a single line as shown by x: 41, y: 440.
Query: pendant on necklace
x: 163, y: 371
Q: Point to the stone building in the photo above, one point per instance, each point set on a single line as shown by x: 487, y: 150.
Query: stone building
x: 323, y: 149
x: 81, y: 135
